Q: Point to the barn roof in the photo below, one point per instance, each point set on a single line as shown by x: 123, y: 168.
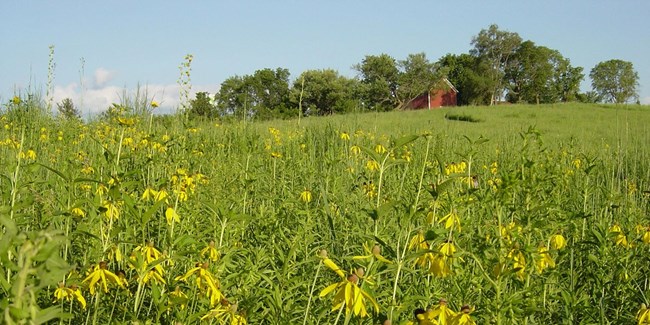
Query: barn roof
x: 450, y: 85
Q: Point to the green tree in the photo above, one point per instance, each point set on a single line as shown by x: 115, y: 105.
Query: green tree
x: 201, y: 106
x: 233, y: 98
x: 537, y: 74
x: 467, y: 74
x: 417, y: 76
x: 67, y: 110
x: 269, y: 93
x: 615, y: 81
x: 262, y: 95
x: 325, y: 92
x: 379, y: 76
x: 495, y: 47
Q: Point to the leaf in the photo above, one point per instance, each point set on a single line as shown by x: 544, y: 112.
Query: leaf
x: 48, y: 314
x: 60, y: 174
x: 404, y: 140
x: 371, y: 153
x: 147, y: 215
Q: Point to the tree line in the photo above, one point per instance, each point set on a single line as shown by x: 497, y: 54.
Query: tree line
x: 499, y: 67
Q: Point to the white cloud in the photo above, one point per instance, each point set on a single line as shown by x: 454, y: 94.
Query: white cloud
x: 103, y: 76
x: 96, y: 100
x: 645, y: 100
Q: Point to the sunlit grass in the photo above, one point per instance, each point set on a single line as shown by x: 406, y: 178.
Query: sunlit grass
x: 422, y: 214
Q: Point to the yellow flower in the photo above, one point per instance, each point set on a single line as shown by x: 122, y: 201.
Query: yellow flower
x: 418, y: 241
x: 619, y: 237
x: 463, y: 318
x: 380, y: 149
x: 87, y: 170
x: 518, y: 263
x: 372, y: 165
x: 111, y: 211
x: 645, y: 230
x: 100, y: 275
x: 355, y: 150
x: 125, y: 121
x: 78, y: 212
x: 171, y: 216
x: 345, y: 136
x: 205, y: 281
x: 374, y: 252
x: 154, y: 104
x: 177, y: 298
x: 451, y: 221
x: 149, y: 252
x: 643, y: 315
x: 557, y: 242
x: 350, y: 295
x: 149, y: 194
x: 348, y: 292
x: 442, y: 313
x: 16, y: 100
x: 28, y: 155
x: 439, y: 265
x: 305, y: 196
x: 211, y: 251
x: 543, y: 260
x: 226, y: 314
x: 69, y: 293
x: 448, y: 249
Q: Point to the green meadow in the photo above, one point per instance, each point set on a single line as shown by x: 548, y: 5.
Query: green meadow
x: 510, y: 214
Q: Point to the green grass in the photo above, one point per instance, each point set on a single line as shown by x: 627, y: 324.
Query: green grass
x: 497, y: 189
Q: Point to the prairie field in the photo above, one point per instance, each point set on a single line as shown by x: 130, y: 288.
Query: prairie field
x: 468, y: 215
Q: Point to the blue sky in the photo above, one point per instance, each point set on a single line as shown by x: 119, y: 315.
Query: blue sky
x: 139, y: 42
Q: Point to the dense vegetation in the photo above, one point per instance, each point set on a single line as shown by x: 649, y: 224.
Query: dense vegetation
x: 505, y: 214
x: 499, y: 67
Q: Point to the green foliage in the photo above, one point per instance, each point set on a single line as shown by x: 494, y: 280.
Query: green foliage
x: 262, y: 95
x: 67, y: 110
x: 202, y: 106
x: 379, y: 78
x: 325, y: 92
x: 465, y: 72
x: 615, y: 81
x: 374, y: 183
x: 495, y: 47
x: 537, y: 74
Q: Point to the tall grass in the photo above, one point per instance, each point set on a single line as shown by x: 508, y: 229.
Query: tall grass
x: 497, y: 190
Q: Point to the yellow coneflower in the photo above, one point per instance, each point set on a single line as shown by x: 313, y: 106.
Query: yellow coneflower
x: 69, y: 293
x: 205, y: 281
x: 345, y: 136
x: 543, y: 260
x: 100, y: 275
x: 172, y: 216
x: 355, y: 150
x: 350, y: 295
x: 78, y: 212
x: 177, y: 298
x: 451, y: 221
x: 442, y: 313
x: 643, y: 315
x: 557, y: 242
x: 372, y: 165
x: 154, y: 104
x: 518, y: 263
x: 375, y: 252
x: 380, y: 149
x: 211, y: 251
x: 305, y: 196
x: 463, y: 318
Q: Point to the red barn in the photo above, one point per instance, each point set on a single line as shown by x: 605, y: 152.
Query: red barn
x: 442, y: 94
